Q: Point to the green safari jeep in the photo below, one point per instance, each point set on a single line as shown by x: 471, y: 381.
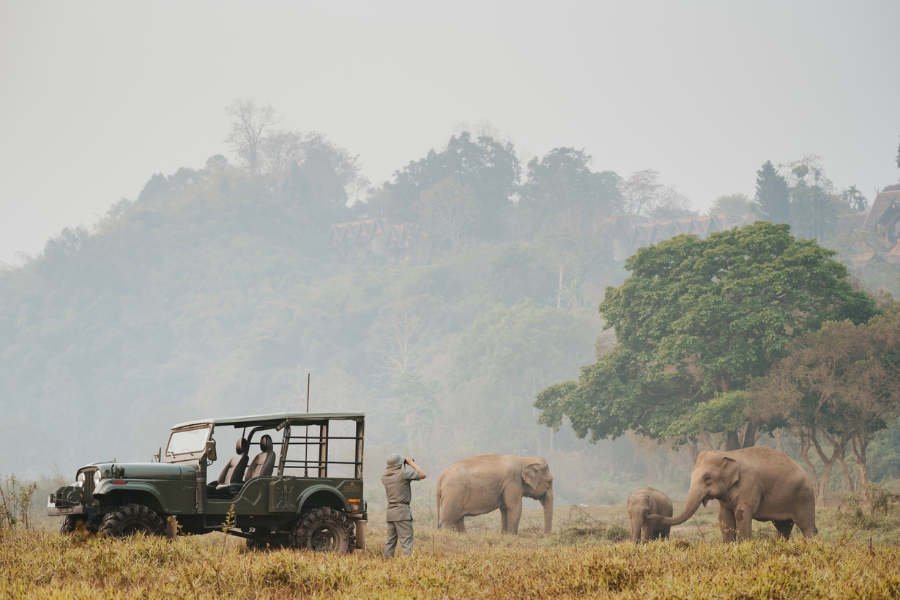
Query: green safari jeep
x: 295, y: 479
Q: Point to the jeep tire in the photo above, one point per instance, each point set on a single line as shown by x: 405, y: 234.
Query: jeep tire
x: 324, y: 530
x: 262, y: 543
x: 73, y: 523
x: 131, y: 519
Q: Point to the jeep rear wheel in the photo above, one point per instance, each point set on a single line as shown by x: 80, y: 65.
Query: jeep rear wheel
x: 324, y: 530
x: 132, y: 519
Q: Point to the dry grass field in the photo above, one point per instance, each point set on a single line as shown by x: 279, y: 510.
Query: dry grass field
x: 855, y: 556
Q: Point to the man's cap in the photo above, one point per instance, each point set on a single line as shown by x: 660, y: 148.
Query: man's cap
x: 394, y: 460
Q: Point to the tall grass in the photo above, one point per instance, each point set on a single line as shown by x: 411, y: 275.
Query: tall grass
x: 855, y: 555
x: 579, y: 559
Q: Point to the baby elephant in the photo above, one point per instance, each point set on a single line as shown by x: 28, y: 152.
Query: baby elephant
x: 648, y: 501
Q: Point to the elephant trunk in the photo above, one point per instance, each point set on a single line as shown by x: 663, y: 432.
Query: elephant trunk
x: 637, y: 521
x: 547, y: 502
x: 690, y: 507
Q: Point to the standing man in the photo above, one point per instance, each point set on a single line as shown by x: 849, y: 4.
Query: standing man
x: 400, y: 471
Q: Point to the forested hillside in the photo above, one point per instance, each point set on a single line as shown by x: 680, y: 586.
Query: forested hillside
x: 215, y: 292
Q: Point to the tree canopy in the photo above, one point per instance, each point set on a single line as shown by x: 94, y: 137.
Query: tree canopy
x: 484, y: 165
x: 695, y: 322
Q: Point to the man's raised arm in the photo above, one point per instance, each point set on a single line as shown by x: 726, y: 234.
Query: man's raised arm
x: 411, y: 463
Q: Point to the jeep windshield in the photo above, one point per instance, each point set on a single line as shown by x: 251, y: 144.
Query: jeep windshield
x: 187, y: 444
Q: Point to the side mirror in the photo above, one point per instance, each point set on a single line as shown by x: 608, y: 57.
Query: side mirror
x: 210, y: 450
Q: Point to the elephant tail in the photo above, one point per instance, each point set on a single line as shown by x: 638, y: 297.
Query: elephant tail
x: 437, y: 499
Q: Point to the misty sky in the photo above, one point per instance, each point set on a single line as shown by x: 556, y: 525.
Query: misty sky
x: 97, y: 96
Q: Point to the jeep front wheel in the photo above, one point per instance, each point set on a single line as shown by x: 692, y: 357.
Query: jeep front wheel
x: 131, y: 519
x: 72, y: 523
x: 324, y: 530
x: 261, y: 543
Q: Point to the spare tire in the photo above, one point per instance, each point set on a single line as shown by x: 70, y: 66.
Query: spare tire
x: 132, y: 519
x: 324, y: 530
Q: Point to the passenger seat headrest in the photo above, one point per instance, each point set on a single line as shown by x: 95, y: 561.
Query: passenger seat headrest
x: 242, y: 446
x: 265, y: 443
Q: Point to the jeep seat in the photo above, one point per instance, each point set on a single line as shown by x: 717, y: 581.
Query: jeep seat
x: 263, y: 463
x: 231, y: 478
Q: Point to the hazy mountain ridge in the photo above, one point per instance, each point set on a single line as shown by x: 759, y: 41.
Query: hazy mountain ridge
x: 216, y: 292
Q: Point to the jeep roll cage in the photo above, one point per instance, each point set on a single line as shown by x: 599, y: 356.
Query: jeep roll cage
x: 288, y: 423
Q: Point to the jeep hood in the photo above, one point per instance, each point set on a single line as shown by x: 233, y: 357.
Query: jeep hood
x: 147, y: 470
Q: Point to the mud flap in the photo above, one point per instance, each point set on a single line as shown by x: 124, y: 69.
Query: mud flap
x: 360, y: 534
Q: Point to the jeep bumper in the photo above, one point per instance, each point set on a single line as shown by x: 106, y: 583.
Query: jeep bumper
x: 55, y: 511
x: 58, y: 509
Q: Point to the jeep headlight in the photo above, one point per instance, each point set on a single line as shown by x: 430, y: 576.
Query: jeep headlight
x: 96, y: 478
x: 80, y: 481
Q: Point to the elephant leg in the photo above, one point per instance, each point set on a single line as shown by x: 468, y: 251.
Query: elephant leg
x: 727, y: 523
x: 743, y: 514
x: 647, y: 531
x: 784, y: 528
x: 664, y: 532
x: 451, y: 512
x: 504, y: 522
x: 513, y: 513
x: 460, y: 525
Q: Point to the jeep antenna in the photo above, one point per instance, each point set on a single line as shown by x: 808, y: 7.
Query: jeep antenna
x: 307, y: 391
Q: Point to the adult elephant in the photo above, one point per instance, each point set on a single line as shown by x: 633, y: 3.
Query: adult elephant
x: 485, y: 482
x: 753, y: 483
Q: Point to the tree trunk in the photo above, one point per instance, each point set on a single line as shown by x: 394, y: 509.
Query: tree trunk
x: 838, y: 451
x: 707, y: 442
x: 750, y: 434
x: 779, y: 443
x: 823, y: 487
x: 848, y: 477
x: 805, y: 444
x: 732, y: 442
x: 859, y: 451
x: 694, y: 450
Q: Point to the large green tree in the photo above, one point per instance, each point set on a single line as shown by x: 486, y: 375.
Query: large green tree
x: 695, y: 322
x: 772, y: 194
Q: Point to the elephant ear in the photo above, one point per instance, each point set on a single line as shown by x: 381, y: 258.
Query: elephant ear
x: 535, y: 476
x: 730, y: 471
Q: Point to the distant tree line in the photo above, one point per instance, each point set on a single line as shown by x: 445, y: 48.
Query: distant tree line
x: 214, y: 292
